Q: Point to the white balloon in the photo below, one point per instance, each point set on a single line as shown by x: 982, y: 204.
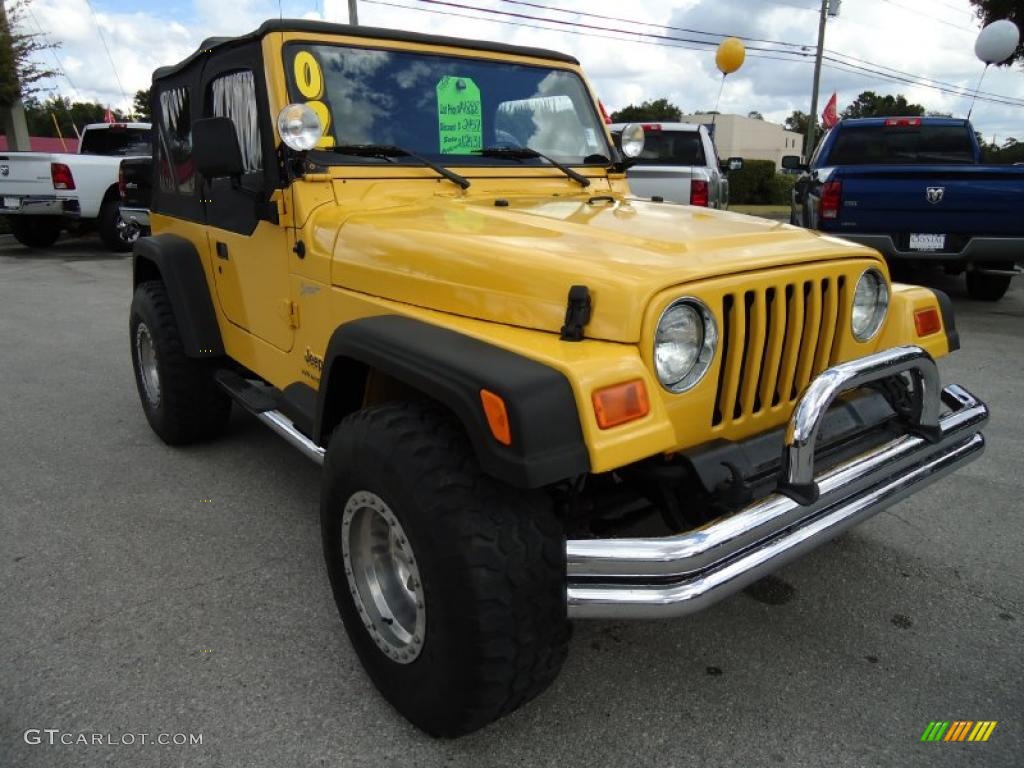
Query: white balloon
x: 997, y: 42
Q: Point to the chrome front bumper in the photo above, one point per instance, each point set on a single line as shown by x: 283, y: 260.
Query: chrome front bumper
x: 681, y: 574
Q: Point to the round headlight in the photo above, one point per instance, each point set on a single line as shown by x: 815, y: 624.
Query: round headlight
x: 299, y: 127
x: 870, y: 303
x: 633, y: 140
x: 684, y: 344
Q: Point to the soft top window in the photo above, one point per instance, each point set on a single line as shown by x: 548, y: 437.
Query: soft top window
x: 234, y: 96
x: 174, y: 169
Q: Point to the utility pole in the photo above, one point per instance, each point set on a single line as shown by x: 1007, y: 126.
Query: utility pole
x: 812, y: 119
x: 12, y: 116
x: 353, y: 13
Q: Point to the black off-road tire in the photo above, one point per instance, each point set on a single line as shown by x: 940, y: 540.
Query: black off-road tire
x: 112, y: 236
x: 189, y: 406
x: 35, y: 231
x: 982, y: 287
x: 491, y: 560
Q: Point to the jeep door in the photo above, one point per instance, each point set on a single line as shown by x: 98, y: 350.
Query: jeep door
x: 248, y: 248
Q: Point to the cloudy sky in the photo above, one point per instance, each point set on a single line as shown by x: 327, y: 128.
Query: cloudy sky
x: 929, y: 38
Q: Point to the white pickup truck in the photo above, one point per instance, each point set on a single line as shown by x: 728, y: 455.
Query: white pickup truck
x: 680, y: 164
x: 43, y: 193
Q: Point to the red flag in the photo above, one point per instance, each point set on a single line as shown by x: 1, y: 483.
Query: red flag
x: 830, y: 117
x: 604, y: 113
x: 108, y: 116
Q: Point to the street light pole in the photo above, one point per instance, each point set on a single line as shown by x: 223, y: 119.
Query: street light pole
x: 812, y: 119
x: 353, y: 13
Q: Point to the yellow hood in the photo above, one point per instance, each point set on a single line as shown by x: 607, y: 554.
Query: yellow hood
x: 515, y: 264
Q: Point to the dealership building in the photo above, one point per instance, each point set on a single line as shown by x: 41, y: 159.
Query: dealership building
x: 750, y: 138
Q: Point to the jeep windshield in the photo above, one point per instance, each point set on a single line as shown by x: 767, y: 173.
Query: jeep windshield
x: 445, y: 108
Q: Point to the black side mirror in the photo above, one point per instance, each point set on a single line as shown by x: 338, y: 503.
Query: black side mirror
x: 793, y: 163
x: 215, y: 148
x: 733, y: 164
x: 622, y: 163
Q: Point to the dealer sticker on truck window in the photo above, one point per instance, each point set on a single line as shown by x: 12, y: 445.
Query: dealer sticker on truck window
x: 927, y: 242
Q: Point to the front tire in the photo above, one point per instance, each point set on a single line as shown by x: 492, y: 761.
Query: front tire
x: 114, y: 237
x: 451, y: 585
x: 35, y: 231
x: 182, y: 402
x: 983, y: 287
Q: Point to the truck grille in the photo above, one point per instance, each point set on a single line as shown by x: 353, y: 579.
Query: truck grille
x: 774, y: 341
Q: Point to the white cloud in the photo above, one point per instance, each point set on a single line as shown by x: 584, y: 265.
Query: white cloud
x: 622, y: 71
x: 138, y: 42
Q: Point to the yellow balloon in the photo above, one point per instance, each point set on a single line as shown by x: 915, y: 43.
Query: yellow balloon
x: 730, y: 55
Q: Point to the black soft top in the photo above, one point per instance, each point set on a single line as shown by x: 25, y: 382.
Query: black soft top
x: 380, y: 33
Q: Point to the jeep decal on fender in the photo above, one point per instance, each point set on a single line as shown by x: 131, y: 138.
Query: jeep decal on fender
x: 314, y: 365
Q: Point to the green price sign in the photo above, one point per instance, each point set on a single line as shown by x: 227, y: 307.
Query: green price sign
x: 459, y: 117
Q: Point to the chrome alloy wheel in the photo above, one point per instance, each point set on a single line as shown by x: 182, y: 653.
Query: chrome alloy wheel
x: 128, y: 231
x: 145, y: 357
x: 383, y: 577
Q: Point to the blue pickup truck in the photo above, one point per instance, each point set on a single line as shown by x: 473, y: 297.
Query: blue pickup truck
x: 915, y: 189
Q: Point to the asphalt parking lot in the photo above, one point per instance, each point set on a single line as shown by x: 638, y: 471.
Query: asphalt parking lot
x: 156, y: 590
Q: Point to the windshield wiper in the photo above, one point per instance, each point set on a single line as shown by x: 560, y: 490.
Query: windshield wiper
x: 524, y: 153
x: 388, y: 151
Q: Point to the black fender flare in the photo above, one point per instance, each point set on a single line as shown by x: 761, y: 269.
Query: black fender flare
x: 948, y: 318
x: 177, y: 263
x: 451, y: 368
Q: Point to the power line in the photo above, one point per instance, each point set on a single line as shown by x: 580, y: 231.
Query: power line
x: 793, y: 5
x: 801, y: 47
x: 798, y: 46
x: 110, y: 58
x: 930, y: 17
x: 565, y: 23
x: 637, y: 40
x: 910, y: 74
x: 649, y: 23
x: 53, y: 50
x: 958, y: 9
x: 672, y: 41
x: 954, y: 91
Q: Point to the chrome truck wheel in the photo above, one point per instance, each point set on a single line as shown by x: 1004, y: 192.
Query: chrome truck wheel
x: 383, y: 576
x: 145, y: 358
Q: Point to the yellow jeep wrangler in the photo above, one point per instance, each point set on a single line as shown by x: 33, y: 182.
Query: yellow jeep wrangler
x: 535, y: 396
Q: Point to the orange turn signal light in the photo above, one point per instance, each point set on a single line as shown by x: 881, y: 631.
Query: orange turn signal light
x: 927, y: 321
x: 621, y: 403
x: 497, y: 416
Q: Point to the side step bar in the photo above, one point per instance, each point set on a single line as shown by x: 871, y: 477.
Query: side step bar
x: 281, y: 424
x: 261, y: 402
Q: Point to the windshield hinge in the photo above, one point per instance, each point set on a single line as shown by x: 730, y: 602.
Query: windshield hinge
x: 577, y: 313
